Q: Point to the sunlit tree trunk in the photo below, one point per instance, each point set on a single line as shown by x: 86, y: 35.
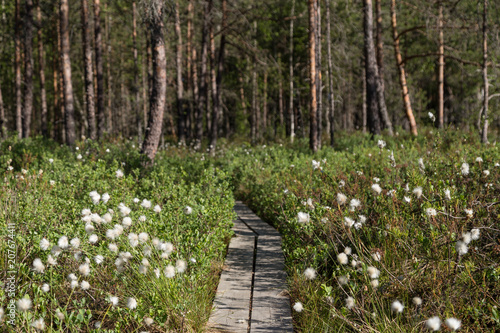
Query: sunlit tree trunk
x: 203, y: 92
x: 41, y: 61
x: 313, y: 134
x: 331, y: 100
x: 402, y: 74
x: 109, y: 107
x: 101, y: 120
x: 189, y: 69
x: 89, y: 82
x: 3, y: 127
x: 154, y: 20
x: 319, y: 79
x: 28, y: 68
x: 69, y: 111
x: 137, y: 106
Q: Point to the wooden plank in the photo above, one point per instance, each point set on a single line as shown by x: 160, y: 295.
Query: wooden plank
x: 271, y: 310
x: 232, y: 300
x: 253, y: 221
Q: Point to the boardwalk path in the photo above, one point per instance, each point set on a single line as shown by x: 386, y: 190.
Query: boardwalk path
x: 251, y: 296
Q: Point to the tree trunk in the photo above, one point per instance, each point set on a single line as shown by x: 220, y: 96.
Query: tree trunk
x: 484, y: 134
x: 313, y: 135
x: 87, y: 60
x: 137, y: 105
x: 319, y: 80
x: 189, y: 69
x: 364, y: 115
x: 254, y: 125
x: 441, y: 68
x: 19, y: 107
x: 41, y: 61
x: 28, y: 69
x: 203, y: 93
x: 402, y: 74
x: 181, y: 118
x: 56, y: 65
x: 290, y: 106
x: 154, y: 20
x: 109, y: 107
x: 101, y: 120
x: 217, y: 100
x: 68, y: 86
x: 331, y: 100
x: 371, y: 71
x: 264, y: 104
x: 280, y: 95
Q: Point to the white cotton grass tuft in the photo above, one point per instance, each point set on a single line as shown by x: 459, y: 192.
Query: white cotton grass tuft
x: 143, y: 237
x: 89, y: 228
x: 355, y: 203
x: 303, y: 217
x: 157, y: 209
x: 148, y: 321
x: 376, y: 256
x: 84, y: 269
x: 86, y: 212
x: 44, y: 244
x: 84, y: 285
x: 105, y: 197
x: 453, y: 323
x: 377, y: 189
x: 461, y: 248
x: 75, y: 243
x: 348, y: 250
x: 298, y: 307
x: 479, y: 160
x: 142, y: 218
x: 348, y: 222
x: 397, y: 307
x: 421, y: 164
x: 188, y: 210
x: 124, y: 210
x: 407, y: 199
x: 133, y: 239
x: 486, y: 173
x: 316, y: 164
x: 374, y: 283
x: 63, y: 242
x: 418, y: 192
x: 106, y: 218
x: 467, y: 237
x: 373, y: 272
x: 51, y: 260
x: 167, y: 247
x: 38, y: 324
x: 343, y: 280
x: 342, y: 258
x: 59, y: 315
x: 146, y: 203
x: 180, y: 266
x: 465, y: 169
x: 310, y: 273
x: 119, y: 173
x: 98, y: 259
x: 93, y: 239
x: 45, y: 288
x: 113, y: 247
x: 430, y: 212
x: 113, y: 300
x: 349, y: 302
x: 417, y: 301
x: 381, y: 144
x: 96, y: 197
x: 24, y: 304
x: 55, y: 250
x: 447, y: 194
x: 341, y: 198
x: 169, y: 271
x: 469, y: 212
x: 38, y: 265
x: 126, y: 222
x: 475, y: 234
x: 433, y: 323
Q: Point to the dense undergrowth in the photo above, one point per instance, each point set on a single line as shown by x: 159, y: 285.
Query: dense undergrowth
x: 141, y: 253
x: 383, y: 236
x: 395, y: 236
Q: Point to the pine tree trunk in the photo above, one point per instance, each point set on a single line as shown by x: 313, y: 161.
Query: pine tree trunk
x: 28, y: 69
x: 154, y: 22
x: 364, y: 108
x: 402, y: 74
x: 319, y: 79
x: 441, y: 68
x: 19, y: 106
x: 217, y: 100
x: 101, y: 119
x: 313, y: 134
x: 373, y: 118
x: 181, y: 117
x: 69, y: 111
x: 54, y: 116
x: 484, y: 134
x: 213, y: 85
x: 43, y: 93
x: 189, y: 70
x: 89, y: 82
x: 331, y: 100
x: 137, y: 106
x: 264, y: 104
x: 3, y: 127
x: 290, y: 106
x: 203, y: 92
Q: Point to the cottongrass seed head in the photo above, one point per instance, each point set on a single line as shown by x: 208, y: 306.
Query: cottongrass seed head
x: 310, y: 273
x: 465, y: 169
x: 131, y: 303
x: 461, y: 248
x: 188, y: 210
x: 418, y: 192
x: 433, y: 323
x: 475, y: 234
x: 342, y: 258
x: 417, y: 301
x: 453, y: 323
x: 298, y: 307
x: 39, y: 324
x: 349, y: 302
x: 38, y: 266
x: 24, y: 304
x: 377, y: 189
x: 341, y: 198
x: 397, y: 307
x: 303, y: 217
x: 430, y: 212
x: 44, y: 244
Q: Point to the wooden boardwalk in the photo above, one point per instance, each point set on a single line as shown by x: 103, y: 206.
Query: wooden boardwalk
x: 251, y: 296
